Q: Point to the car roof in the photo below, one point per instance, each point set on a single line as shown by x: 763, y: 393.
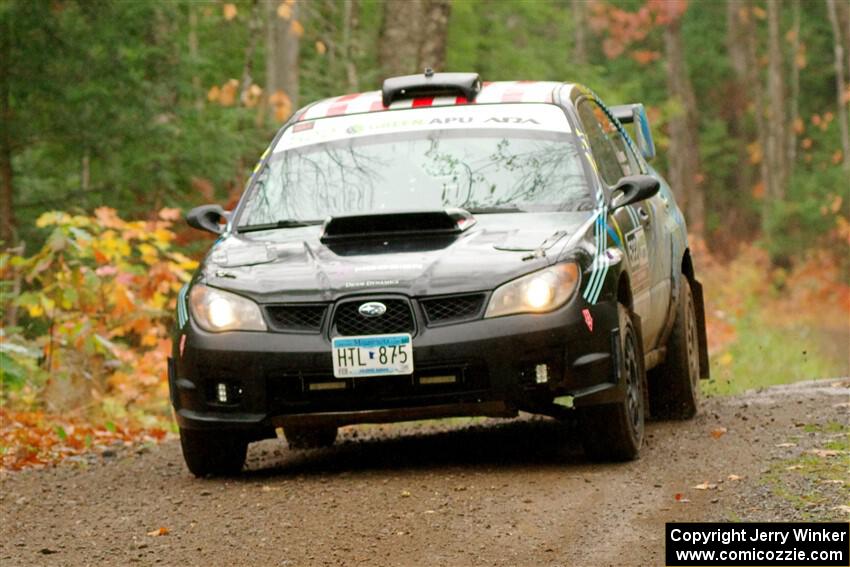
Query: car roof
x: 491, y: 93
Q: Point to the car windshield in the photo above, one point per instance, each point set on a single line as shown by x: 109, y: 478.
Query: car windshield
x: 502, y: 158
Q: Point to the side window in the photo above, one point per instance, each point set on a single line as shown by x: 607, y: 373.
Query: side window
x: 612, y: 156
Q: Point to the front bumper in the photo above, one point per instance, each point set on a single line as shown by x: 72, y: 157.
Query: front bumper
x: 279, y: 378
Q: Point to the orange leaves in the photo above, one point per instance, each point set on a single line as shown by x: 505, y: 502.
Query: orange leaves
x: 229, y: 11
x: 756, y: 153
x: 282, y: 105
x: 36, y: 440
x: 622, y: 28
x: 645, y: 56
x: 718, y: 432
x: 227, y: 96
x: 252, y: 96
x: 284, y: 11
x: 113, y: 280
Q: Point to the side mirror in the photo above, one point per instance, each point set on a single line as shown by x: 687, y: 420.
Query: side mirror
x: 636, y: 114
x: 208, y: 218
x: 633, y: 189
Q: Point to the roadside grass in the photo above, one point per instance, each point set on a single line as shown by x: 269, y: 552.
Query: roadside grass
x: 816, y: 482
x: 769, y: 326
x: 763, y: 356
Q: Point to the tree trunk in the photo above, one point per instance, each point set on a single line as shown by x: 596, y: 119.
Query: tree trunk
x: 776, y: 123
x: 413, y: 36
x: 254, y: 27
x: 794, y: 103
x: 738, y: 96
x: 193, y: 56
x: 749, y: 38
x: 840, y: 84
x: 350, y: 23
x: 282, y: 55
x: 432, y: 46
x: 7, y: 191
x: 685, y: 175
x: 579, y: 32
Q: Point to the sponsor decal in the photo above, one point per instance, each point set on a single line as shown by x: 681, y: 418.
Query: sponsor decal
x: 370, y: 283
x: 638, y: 258
x: 539, y: 116
x: 588, y: 319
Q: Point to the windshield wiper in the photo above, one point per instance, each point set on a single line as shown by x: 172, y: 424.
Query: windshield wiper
x: 283, y: 223
x: 493, y: 210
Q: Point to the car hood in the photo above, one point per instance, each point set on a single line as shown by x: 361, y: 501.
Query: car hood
x: 295, y: 265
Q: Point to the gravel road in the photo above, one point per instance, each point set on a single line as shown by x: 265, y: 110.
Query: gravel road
x: 434, y: 493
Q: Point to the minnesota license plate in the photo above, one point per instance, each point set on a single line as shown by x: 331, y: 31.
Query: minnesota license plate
x: 372, y: 355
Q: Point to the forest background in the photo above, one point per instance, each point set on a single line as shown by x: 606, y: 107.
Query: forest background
x: 117, y: 117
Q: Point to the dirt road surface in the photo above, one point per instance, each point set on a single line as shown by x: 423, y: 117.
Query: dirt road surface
x: 488, y: 493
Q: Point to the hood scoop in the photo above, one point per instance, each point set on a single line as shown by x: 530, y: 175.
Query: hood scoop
x: 397, y: 224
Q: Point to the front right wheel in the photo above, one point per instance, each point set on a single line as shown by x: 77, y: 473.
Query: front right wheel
x: 614, y: 432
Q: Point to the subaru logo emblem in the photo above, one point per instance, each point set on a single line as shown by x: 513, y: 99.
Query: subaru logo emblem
x: 372, y: 309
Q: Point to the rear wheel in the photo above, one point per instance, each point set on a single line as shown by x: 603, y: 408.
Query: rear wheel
x: 674, y: 385
x: 213, y: 452
x: 302, y: 437
x: 614, y: 432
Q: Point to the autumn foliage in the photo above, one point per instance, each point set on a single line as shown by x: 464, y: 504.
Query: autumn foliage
x: 96, y: 302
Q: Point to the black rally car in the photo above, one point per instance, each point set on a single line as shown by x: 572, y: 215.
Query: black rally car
x: 443, y: 247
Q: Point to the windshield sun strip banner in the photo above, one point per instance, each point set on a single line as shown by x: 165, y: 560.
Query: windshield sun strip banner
x: 541, y: 117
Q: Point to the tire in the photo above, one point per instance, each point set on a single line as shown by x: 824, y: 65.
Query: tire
x: 213, y: 453
x: 614, y: 432
x: 305, y: 437
x: 674, y: 385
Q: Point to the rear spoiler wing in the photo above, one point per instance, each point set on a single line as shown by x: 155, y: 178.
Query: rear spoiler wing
x: 636, y: 114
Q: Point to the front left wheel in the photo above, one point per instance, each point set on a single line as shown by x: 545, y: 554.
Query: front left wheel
x: 213, y: 453
x: 614, y: 432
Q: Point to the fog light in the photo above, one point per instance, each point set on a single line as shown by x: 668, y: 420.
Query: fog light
x: 221, y: 392
x: 541, y: 373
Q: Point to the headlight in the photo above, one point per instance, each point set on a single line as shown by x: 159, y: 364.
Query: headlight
x: 216, y: 310
x: 539, y: 292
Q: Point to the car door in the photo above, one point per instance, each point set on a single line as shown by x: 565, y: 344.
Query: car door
x: 634, y: 226
x: 655, y: 215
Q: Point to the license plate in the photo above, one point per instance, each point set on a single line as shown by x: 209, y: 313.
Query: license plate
x: 372, y: 355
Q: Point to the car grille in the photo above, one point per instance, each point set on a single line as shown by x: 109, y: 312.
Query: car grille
x: 297, y: 318
x: 441, y: 310
x: 398, y: 319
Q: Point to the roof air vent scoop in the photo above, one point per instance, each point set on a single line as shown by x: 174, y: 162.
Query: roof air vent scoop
x: 431, y: 84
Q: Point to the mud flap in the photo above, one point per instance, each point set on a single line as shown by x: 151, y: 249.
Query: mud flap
x: 699, y: 307
x: 614, y: 391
